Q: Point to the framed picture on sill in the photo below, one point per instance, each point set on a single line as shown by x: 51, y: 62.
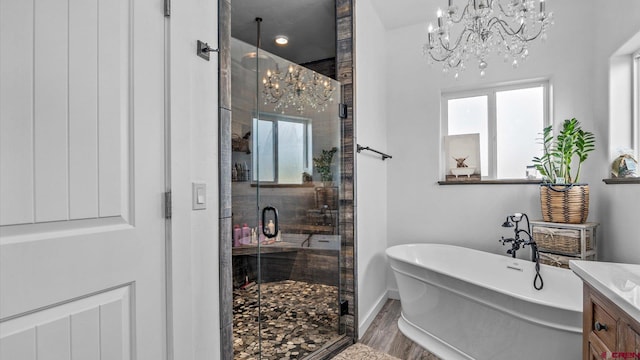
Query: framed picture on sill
x: 462, y: 157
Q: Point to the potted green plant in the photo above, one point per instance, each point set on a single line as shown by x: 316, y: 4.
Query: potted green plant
x: 323, y: 163
x: 562, y: 197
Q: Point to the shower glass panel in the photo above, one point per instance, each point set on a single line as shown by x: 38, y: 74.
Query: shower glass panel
x: 286, y: 180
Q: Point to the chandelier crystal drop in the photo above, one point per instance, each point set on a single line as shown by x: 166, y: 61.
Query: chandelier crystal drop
x: 299, y: 88
x: 480, y: 27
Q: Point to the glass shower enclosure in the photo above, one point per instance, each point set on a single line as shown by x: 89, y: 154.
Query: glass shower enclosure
x: 286, y: 170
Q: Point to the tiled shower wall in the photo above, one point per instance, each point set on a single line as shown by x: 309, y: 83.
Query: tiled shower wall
x: 224, y: 171
x: 344, y: 64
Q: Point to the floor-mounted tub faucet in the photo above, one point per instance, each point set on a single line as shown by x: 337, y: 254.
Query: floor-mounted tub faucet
x: 517, y: 242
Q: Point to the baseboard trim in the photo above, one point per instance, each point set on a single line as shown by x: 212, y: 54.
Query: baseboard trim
x: 371, y: 315
x: 393, y: 294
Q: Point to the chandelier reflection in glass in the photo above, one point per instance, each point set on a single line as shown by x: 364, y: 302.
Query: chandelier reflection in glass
x: 485, y: 26
x: 299, y: 89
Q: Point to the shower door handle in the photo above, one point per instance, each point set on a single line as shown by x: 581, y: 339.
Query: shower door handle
x: 266, y: 233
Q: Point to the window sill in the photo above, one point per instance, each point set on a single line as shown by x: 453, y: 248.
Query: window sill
x: 493, y: 182
x: 615, y: 181
x: 305, y: 185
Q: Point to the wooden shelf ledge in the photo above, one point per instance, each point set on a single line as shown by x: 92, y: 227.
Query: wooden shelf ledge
x: 493, y: 182
x: 614, y: 181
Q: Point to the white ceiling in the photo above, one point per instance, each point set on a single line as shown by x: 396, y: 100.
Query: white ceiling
x: 309, y: 25
x: 398, y: 13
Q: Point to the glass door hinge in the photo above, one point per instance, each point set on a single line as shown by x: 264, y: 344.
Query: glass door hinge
x: 344, y: 307
x: 167, y: 205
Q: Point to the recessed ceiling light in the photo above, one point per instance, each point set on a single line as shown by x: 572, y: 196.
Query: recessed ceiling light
x: 282, y: 40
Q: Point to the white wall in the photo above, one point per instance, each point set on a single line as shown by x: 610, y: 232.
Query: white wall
x: 194, y: 158
x: 619, y: 204
x: 421, y: 211
x: 371, y: 207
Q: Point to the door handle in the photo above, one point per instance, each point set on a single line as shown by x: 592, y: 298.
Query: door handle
x: 266, y: 233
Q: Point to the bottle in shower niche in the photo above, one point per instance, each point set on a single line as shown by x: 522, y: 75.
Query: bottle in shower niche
x: 238, y: 171
x: 271, y: 227
x: 237, y: 234
x: 246, y: 234
x: 261, y: 233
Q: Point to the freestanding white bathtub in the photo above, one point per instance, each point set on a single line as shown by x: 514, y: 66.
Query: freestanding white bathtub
x: 461, y: 303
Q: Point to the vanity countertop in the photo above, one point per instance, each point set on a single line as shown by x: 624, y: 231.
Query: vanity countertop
x: 619, y: 282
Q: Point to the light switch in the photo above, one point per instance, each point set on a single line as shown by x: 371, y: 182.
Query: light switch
x: 199, y: 196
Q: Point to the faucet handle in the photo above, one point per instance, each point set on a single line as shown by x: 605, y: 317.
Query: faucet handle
x: 504, y: 241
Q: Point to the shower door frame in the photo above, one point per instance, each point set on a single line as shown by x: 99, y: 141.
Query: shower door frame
x: 344, y: 69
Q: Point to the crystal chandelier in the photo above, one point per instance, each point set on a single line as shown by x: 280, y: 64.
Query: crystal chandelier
x: 485, y: 25
x: 298, y: 88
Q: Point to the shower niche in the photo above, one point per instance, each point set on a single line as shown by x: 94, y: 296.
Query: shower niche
x: 286, y: 182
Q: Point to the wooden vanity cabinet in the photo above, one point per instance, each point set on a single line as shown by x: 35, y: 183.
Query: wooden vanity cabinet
x: 607, y: 329
x: 632, y: 340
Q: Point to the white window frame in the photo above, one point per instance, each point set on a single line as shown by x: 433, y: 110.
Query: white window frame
x: 308, y: 144
x: 636, y: 103
x: 490, y: 92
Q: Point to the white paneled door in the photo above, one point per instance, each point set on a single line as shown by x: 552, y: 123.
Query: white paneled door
x: 82, y: 156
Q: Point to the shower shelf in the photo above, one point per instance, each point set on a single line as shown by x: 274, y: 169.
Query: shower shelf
x: 316, y: 229
x: 320, y: 244
x: 264, y: 249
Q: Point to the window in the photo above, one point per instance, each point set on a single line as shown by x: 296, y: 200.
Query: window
x: 636, y: 102
x: 281, y: 150
x: 508, y: 119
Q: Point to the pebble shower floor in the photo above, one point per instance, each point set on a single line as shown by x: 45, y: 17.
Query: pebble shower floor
x: 298, y: 318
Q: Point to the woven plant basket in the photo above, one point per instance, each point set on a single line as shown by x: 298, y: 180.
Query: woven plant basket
x: 567, y: 204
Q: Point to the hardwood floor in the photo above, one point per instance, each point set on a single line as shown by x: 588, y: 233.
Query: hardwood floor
x: 384, y: 335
